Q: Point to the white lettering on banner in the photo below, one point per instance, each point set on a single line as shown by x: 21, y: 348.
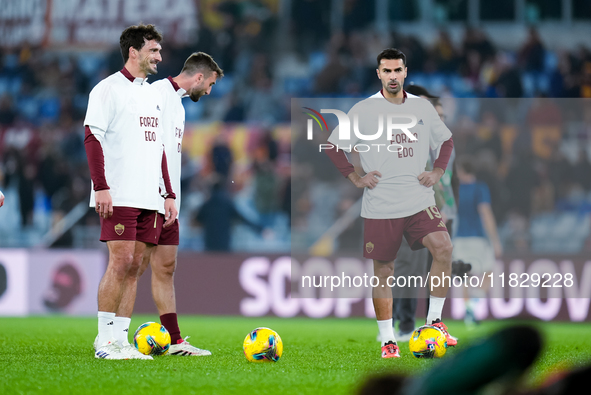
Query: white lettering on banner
x: 250, y: 274
x: 15, y: 10
x: 270, y: 295
x: 323, y: 305
x: 533, y: 304
x: 578, y: 296
x: 348, y: 293
x: 113, y: 8
x: 22, y: 21
x: 65, y: 9
x: 350, y: 278
x: 72, y: 22
x: 91, y: 10
x: 283, y: 305
x: 131, y: 9
x: 499, y: 307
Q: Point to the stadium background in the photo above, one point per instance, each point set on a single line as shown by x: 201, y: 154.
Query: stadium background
x: 54, y: 52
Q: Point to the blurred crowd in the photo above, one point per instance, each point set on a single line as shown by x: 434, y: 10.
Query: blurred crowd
x: 44, y: 92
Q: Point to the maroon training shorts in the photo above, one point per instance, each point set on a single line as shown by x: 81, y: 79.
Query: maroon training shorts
x: 128, y: 223
x: 382, y: 237
x: 169, y: 236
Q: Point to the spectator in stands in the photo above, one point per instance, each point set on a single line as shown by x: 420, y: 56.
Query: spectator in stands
x: 521, y: 181
x: 266, y: 189
x: 217, y: 215
x: 7, y: 111
x: 531, y: 55
x: 444, y: 54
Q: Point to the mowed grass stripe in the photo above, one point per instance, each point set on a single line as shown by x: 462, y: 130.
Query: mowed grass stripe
x: 54, y: 355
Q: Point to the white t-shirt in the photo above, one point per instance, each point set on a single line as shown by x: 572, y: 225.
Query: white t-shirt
x: 398, y: 193
x: 124, y: 116
x: 173, y: 127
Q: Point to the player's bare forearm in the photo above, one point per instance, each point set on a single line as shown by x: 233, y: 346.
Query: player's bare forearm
x: 103, y: 203
x: 370, y: 180
x: 430, y: 178
x: 170, y: 212
x: 490, y: 227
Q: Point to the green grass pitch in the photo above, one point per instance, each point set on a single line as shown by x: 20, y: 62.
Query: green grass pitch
x: 54, y: 355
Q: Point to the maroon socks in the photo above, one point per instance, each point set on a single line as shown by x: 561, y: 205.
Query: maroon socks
x: 169, y: 321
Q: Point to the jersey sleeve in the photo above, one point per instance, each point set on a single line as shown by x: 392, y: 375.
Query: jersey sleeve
x: 483, y: 193
x: 96, y: 160
x: 439, y: 132
x: 166, y: 178
x: 444, y: 154
x: 99, y: 110
x: 341, y: 161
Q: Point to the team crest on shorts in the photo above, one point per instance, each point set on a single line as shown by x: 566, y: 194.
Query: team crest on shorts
x: 119, y: 229
x: 369, y: 247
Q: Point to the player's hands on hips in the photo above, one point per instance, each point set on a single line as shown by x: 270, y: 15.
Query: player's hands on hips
x: 170, y: 212
x: 103, y: 203
x: 370, y: 180
x: 430, y: 178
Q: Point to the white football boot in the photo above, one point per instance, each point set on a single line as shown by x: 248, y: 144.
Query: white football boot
x: 132, y: 353
x: 110, y: 350
x: 185, y: 349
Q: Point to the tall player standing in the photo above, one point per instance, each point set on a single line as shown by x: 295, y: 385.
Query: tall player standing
x: 398, y: 197
x: 126, y: 157
x: 200, y: 72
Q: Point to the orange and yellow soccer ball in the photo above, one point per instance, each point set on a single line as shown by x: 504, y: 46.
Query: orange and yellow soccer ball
x: 263, y: 345
x: 427, y: 342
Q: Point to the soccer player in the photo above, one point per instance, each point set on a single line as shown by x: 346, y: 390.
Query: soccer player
x: 398, y: 197
x: 196, y: 79
x: 477, y: 241
x: 1, y: 199
x: 126, y: 157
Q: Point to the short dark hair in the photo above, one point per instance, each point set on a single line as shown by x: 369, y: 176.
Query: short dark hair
x: 466, y: 163
x: 391, y: 53
x: 418, y: 90
x: 201, y: 62
x: 133, y: 37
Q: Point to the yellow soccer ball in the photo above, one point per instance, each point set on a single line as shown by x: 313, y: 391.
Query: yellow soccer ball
x: 263, y: 345
x: 427, y: 342
x: 151, y: 338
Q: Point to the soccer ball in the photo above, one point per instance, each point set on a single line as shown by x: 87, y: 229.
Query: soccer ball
x: 262, y: 345
x: 427, y: 342
x: 151, y: 338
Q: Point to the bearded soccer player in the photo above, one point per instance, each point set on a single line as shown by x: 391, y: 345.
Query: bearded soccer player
x: 195, y: 80
x: 398, y: 196
x: 127, y: 161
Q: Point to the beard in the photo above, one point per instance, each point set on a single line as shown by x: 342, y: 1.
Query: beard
x: 195, y: 95
x: 393, y: 90
x: 147, y: 67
